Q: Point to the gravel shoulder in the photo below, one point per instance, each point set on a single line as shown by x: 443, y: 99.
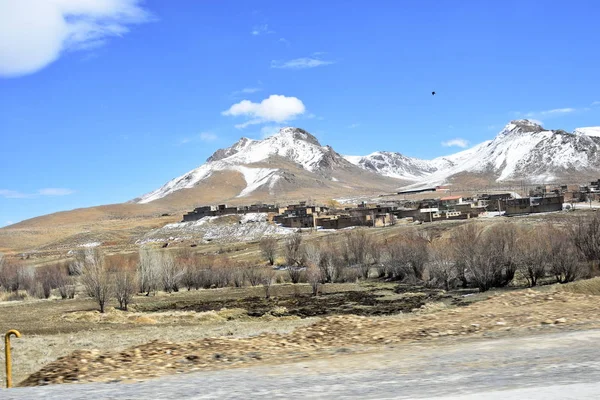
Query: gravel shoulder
x: 558, y: 365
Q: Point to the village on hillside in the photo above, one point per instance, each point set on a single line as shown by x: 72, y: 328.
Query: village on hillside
x: 541, y: 199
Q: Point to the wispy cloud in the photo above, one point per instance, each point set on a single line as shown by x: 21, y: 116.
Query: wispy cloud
x: 555, y: 111
x: 250, y: 90
x: 352, y: 126
x: 285, y: 41
x: 246, y: 90
x: 33, y: 35
x: 55, y: 192
x: 595, y: 103
x: 302, y: 63
x: 261, y: 30
x: 458, y: 142
x: 15, y: 194
x: 202, y: 137
x: 276, y: 108
x: 208, y: 137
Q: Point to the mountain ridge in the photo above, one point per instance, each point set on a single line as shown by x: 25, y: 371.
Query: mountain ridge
x: 294, y: 159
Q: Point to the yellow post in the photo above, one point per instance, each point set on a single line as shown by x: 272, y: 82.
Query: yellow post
x: 15, y: 333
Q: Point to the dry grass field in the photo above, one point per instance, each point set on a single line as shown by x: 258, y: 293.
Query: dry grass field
x: 147, y: 344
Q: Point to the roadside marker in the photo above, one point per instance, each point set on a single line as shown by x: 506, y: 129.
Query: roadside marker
x: 15, y: 333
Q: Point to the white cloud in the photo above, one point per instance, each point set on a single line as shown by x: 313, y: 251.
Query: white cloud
x: 261, y: 30
x: 456, y: 143
x: 285, y: 41
x: 55, y: 192
x: 301, y: 63
x: 208, y: 137
x: 596, y: 103
x: 352, y: 126
x: 34, y: 33
x: 275, y: 108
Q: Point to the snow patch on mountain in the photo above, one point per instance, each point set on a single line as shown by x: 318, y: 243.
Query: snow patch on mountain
x: 256, y: 177
x: 589, y: 131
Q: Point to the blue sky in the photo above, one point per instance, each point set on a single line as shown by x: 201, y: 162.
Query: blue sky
x: 104, y: 100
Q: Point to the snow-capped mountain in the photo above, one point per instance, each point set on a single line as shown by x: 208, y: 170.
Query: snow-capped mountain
x: 294, y: 160
x: 290, y: 155
x: 523, y: 150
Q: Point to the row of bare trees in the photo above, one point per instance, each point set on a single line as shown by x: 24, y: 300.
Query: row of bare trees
x: 15, y: 275
x: 494, y: 257
x: 473, y: 255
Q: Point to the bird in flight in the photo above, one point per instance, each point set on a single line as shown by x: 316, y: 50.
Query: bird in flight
x: 433, y: 93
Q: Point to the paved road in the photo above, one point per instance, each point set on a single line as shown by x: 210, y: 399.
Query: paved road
x: 562, y: 365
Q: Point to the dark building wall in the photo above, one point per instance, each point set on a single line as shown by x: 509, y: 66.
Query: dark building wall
x: 533, y: 205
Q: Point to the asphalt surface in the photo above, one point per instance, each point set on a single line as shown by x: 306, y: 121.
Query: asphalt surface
x: 563, y: 365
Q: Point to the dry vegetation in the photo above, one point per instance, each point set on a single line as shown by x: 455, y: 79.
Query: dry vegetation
x: 395, y: 276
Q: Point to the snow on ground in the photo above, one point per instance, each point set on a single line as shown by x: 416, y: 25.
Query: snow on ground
x: 491, y: 214
x: 92, y: 244
x: 226, y: 228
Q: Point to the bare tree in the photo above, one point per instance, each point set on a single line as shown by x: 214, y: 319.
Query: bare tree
x: 237, y: 275
x: 45, y: 281
x: 356, y: 251
x: 254, y: 274
x: 314, y: 277
x: 125, y: 279
x: 417, y: 253
x: 442, y: 270
x: 312, y: 254
x: 268, y: 248
x: 171, y: 272
x: 268, y: 277
x: 463, y: 242
x: 95, y: 276
x: 13, y: 275
x: 586, y: 237
x: 533, y: 255
x: 564, y: 258
x: 149, y: 269
x: 294, y: 256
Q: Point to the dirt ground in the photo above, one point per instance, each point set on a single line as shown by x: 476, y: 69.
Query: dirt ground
x: 500, y: 314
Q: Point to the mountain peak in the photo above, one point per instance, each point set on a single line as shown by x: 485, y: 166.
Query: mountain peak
x: 297, y: 134
x: 521, y: 126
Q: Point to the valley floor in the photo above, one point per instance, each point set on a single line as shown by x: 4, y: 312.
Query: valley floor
x: 169, y: 338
